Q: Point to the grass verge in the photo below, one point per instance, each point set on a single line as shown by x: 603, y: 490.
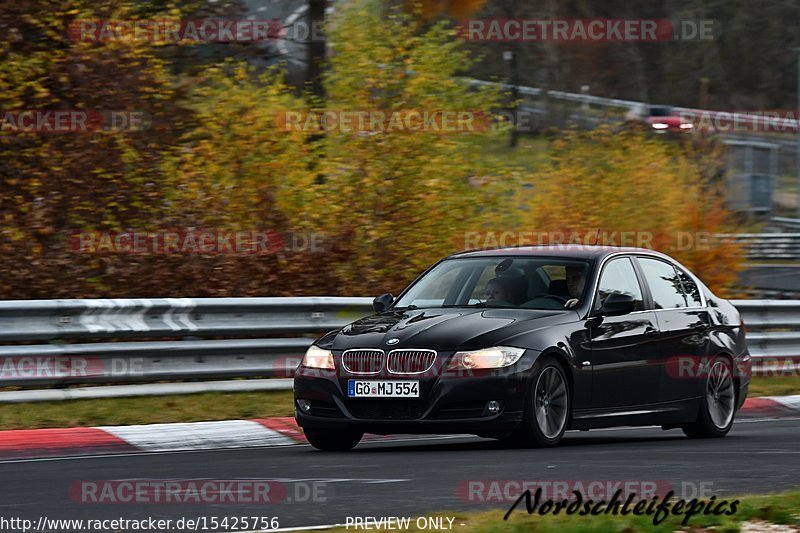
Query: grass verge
x: 146, y: 410
x: 214, y: 406
x: 774, y: 386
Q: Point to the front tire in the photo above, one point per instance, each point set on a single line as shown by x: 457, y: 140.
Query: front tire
x: 718, y: 403
x: 547, y: 407
x: 332, y: 440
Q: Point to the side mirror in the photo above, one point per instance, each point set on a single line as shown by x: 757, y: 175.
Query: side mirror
x: 618, y: 304
x: 381, y: 303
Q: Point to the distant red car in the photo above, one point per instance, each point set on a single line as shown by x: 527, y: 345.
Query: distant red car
x: 664, y: 119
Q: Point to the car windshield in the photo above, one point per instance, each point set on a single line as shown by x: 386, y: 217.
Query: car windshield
x: 510, y: 282
x: 661, y: 111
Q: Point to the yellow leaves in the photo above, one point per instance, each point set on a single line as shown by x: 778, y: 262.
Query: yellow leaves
x: 454, y: 8
x: 390, y: 204
x: 627, y: 182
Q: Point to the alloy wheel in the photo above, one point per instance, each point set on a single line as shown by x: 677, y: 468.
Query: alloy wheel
x: 550, y: 402
x: 720, y: 395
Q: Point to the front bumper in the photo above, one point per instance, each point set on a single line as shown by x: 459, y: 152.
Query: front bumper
x: 448, y: 403
x: 743, y: 370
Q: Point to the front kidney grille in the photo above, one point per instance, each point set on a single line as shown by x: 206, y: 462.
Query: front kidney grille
x: 363, y: 362
x: 410, y: 361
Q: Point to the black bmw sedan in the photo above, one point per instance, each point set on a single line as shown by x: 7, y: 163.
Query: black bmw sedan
x: 525, y: 343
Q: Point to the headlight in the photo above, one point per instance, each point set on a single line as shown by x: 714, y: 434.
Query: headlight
x: 660, y: 126
x: 496, y: 357
x: 316, y: 357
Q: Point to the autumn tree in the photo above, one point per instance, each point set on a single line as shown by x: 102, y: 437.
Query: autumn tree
x: 605, y: 183
x: 52, y: 185
x: 428, y: 9
x: 394, y: 200
x: 218, y: 154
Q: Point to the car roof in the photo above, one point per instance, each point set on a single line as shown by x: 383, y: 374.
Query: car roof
x: 572, y: 251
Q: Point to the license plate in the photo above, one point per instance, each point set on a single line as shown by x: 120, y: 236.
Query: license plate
x: 357, y: 388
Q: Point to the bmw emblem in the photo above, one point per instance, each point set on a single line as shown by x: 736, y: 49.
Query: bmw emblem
x: 392, y: 342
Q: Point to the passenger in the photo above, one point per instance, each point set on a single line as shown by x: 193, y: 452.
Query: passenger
x: 511, y: 289
x: 496, y: 291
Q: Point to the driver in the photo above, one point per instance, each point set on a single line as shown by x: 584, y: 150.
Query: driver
x: 576, y: 279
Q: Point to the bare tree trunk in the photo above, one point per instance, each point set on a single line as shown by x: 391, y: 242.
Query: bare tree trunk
x: 315, y: 62
x: 638, y: 70
x: 316, y: 48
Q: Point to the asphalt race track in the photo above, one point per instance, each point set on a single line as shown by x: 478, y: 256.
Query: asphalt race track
x: 415, y: 477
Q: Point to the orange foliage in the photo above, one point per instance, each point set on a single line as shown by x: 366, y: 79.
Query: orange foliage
x: 631, y: 182
x: 453, y: 8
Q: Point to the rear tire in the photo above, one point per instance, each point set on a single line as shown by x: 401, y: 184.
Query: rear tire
x: 547, y: 407
x: 718, y: 405
x: 332, y: 440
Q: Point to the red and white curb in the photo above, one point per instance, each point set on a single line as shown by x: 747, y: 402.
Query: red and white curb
x: 199, y: 435
x: 24, y: 443
x: 228, y: 434
x: 770, y: 406
x: 224, y: 434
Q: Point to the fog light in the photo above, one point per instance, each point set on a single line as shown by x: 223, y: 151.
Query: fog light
x: 304, y: 405
x: 493, y: 406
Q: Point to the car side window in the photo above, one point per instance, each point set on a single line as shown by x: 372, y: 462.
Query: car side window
x: 690, y: 289
x: 665, y: 285
x: 619, y: 277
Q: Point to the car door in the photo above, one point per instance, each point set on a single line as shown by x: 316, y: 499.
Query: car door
x: 622, y: 347
x: 683, y: 324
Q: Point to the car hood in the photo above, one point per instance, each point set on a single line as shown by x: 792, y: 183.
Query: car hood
x: 671, y: 120
x: 444, y: 329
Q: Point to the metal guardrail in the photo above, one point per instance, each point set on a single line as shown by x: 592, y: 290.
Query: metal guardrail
x: 119, y: 362
x: 773, y: 332
x: 196, y: 321
x: 765, y: 315
x: 587, y: 100
x: 792, y: 223
x: 773, y: 335
x: 582, y: 98
x: 767, y: 246
x: 27, y: 320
